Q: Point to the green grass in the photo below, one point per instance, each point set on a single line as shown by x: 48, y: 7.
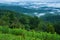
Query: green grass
x: 22, y: 34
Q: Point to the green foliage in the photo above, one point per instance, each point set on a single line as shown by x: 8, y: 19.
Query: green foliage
x: 19, y: 20
x: 50, y: 28
x: 22, y: 34
x: 57, y: 27
x: 4, y: 29
x: 34, y: 21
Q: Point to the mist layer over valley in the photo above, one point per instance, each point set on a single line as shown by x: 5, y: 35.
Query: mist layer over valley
x: 29, y: 20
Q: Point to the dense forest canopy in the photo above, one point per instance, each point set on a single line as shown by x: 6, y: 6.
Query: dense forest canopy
x: 18, y: 20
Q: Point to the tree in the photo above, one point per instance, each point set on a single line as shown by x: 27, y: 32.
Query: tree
x: 50, y: 28
x: 34, y: 21
x: 57, y: 27
x: 11, y: 20
x: 41, y: 26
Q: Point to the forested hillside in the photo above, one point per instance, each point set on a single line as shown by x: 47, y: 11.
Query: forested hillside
x: 16, y: 21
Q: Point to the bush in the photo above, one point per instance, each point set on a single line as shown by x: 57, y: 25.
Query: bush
x: 4, y: 29
x: 22, y: 34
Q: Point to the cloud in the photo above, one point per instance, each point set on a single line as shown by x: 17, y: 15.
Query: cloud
x: 9, y: 0
x: 29, y: 0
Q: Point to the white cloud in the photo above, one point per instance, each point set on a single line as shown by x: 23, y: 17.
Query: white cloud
x: 30, y: 0
x: 54, y: 5
x: 41, y: 14
x: 9, y: 1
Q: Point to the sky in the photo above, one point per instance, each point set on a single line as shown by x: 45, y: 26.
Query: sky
x: 29, y: 0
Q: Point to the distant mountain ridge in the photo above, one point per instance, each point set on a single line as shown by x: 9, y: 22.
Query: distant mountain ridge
x: 32, y: 9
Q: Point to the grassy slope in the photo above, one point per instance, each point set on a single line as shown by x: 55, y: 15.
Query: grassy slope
x: 22, y: 34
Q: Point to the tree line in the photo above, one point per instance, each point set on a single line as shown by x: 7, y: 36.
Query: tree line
x: 19, y: 20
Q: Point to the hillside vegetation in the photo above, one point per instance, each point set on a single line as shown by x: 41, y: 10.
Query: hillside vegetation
x: 22, y: 34
x: 19, y: 26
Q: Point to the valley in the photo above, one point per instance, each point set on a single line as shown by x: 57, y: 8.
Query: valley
x: 29, y: 21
